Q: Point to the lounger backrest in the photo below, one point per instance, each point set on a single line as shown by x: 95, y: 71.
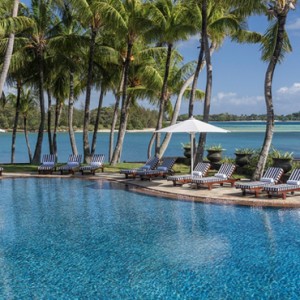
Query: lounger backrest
x: 98, y: 159
x: 295, y: 175
x: 274, y: 173
x: 152, y: 162
x: 202, y: 167
x: 226, y: 169
x: 168, y: 162
x: 74, y: 158
x: 48, y: 158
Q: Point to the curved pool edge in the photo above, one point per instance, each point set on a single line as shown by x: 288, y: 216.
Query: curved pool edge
x: 160, y: 187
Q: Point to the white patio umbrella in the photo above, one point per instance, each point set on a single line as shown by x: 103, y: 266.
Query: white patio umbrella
x: 192, y: 126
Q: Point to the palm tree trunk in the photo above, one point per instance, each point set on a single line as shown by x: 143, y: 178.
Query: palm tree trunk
x: 49, y: 122
x: 86, y: 121
x: 125, y: 108
x: 163, y: 99
x: 115, y: 117
x: 268, y: 96
x: 14, y: 133
x: 199, y: 67
x: 113, y: 126
x: 195, y: 81
x: 70, y: 115
x: 9, y: 50
x: 58, y: 110
x: 208, y: 89
x: 27, y: 139
x: 177, y: 106
x: 38, y: 148
x: 94, y: 140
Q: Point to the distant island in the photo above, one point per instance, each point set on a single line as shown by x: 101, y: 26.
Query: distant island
x: 139, y: 118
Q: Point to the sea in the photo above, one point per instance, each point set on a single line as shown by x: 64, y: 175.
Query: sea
x: 242, y: 135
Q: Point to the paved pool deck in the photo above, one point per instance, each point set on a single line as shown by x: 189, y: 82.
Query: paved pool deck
x: 226, y: 195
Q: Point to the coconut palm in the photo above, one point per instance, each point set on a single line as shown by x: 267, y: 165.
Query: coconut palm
x: 33, y: 47
x: 133, y: 24
x: 275, y: 44
x: 10, y: 23
x: 170, y: 26
x: 68, y: 48
x: 28, y: 102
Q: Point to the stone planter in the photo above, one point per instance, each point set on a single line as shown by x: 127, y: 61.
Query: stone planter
x: 214, y: 156
x: 187, y: 152
x: 284, y: 163
x: 242, y: 159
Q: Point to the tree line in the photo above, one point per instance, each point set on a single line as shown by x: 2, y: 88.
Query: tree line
x: 139, y: 118
x: 55, y: 50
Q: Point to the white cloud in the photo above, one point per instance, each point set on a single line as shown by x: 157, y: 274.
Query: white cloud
x: 292, y: 90
x: 295, y: 25
x: 235, y: 101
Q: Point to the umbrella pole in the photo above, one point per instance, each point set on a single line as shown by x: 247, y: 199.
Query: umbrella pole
x: 192, y: 152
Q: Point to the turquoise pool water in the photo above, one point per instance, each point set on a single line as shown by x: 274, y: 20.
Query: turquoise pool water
x: 80, y: 239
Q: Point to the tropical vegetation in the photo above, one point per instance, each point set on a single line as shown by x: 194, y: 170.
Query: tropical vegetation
x: 53, y: 51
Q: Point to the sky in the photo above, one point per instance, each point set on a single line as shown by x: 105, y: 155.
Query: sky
x: 238, y: 74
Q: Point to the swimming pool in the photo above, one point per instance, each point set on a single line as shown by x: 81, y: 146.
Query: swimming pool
x: 80, y: 239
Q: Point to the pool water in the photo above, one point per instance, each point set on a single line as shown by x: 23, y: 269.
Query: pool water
x: 80, y: 239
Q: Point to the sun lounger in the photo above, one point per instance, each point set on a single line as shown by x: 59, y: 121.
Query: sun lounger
x: 95, y: 164
x: 270, y: 177
x: 222, y: 176
x: 200, y: 171
x: 163, y: 170
x: 47, y: 165
x: 150, y: 164
x: 292, y: 185
x: 72, y: 165
x: 1, y: 170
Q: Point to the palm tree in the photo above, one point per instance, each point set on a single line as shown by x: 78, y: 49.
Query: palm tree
x: 133, y: 21
x: 10, y: 45
x: 170, y: 26
x: 27, y: 103
x: 275, y: 44
x: 33, y: 45
x: 68, y: 46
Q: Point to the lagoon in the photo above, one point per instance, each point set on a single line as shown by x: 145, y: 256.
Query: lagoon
x: 242, y: 135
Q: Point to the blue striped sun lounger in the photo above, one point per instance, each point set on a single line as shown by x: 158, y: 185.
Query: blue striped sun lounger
x: 270, y: 177
x: 222, y: 176
x: 96, y: 163
x: 292, y: 185
x: 48, y: 164
x: 72, y: 165
x: 200, y: 171
x: 150, y: 164
x: 163, y: 170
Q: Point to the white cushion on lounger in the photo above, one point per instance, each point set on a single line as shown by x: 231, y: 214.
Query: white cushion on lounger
x: 197, y: 173
x: 293, y: 182
x: 162, y: 168
x: 95, y: 164
x: 146, y: 167
x: 219, y: 175
x: 268, y: 180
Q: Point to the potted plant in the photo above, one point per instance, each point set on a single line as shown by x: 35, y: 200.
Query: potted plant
x: 282, y: 159
x: 186, y: 149
x: 214, y: 153
x: 242, y: 156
